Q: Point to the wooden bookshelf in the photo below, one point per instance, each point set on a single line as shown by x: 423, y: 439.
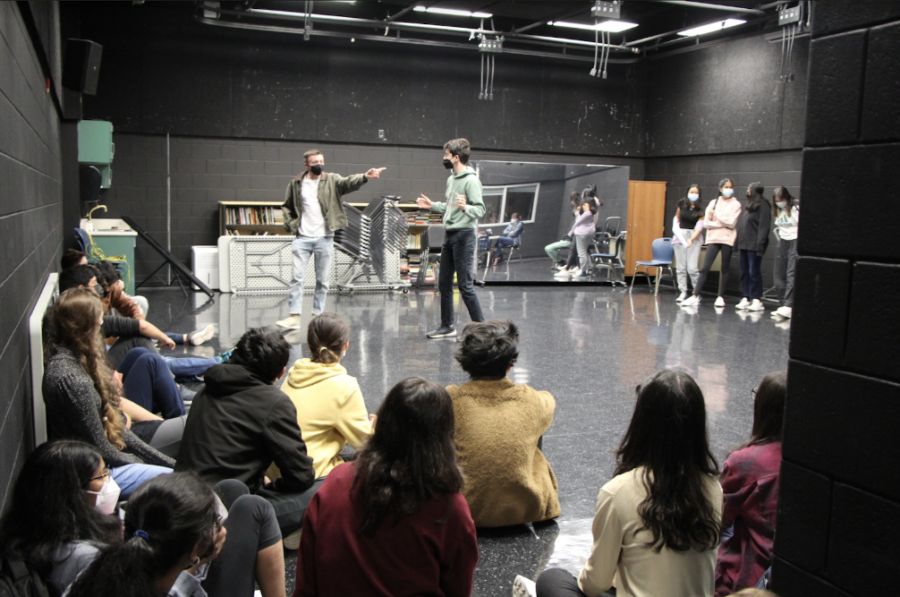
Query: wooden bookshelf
x: 251, y: 218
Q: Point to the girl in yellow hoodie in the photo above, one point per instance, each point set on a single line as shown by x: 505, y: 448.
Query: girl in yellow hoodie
x: 330, y: 407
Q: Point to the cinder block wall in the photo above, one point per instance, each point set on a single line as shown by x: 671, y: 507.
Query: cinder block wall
x: 840, y: 483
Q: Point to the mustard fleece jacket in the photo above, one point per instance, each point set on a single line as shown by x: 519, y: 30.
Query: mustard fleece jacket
x: 330, y: 410
x: 498, y: 425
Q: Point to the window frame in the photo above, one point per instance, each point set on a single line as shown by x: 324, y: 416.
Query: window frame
x: 492, y: 191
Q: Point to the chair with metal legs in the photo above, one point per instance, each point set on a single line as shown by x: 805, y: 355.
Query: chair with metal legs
x: 612, y: 260
x: 662, y: 259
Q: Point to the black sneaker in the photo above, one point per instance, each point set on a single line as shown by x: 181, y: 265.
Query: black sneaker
x: 445, y: 331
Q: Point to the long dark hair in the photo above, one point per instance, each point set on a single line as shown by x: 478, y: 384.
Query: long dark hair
x: 326, y: 336
x: 411, y: 457
x: 48, y: 507
x: 768, y: 409
x: 785, y: 195
x: 165, y: 518
x: 667, y: 436
x: 695, y: 208
x: 755, y: 197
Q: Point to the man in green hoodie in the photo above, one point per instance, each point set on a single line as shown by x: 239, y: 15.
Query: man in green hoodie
x: 462, y: 208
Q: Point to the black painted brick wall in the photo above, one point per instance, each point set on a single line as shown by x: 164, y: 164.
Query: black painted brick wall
x: 205, y: 171
x: 779, y: 168
x: 840, y: 502
x: 30, y: 220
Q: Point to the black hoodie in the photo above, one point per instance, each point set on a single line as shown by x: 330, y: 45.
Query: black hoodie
x: 238, y: 425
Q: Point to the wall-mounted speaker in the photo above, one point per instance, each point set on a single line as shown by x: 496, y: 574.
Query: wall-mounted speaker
x: 81, y: 69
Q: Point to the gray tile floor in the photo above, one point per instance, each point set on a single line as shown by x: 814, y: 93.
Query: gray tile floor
x: 589, y: 346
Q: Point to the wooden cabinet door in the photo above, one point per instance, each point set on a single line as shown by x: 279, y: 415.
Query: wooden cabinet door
x: 646, y: 215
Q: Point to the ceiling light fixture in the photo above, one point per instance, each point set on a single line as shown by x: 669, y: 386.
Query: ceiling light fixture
x: 611, y: 26
x: 453, y: 12
x: 717, y: 26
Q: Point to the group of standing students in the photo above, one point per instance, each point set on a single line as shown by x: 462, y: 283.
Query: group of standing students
x: 732, y: 227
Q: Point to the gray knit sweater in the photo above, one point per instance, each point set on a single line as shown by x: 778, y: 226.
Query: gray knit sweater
x: 73, y: 412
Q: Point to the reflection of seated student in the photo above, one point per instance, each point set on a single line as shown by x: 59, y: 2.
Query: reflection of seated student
x: 512, y: 236
x: 552, y: 249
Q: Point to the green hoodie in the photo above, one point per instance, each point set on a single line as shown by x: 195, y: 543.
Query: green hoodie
x: 466, y: 183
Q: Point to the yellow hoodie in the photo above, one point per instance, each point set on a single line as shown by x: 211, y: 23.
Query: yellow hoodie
x: 330, y: 411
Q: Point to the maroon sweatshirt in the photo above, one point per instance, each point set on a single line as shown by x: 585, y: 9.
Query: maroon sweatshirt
x: 413, y: 556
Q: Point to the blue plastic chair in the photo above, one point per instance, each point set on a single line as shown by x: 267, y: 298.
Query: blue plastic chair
x: 662, y: 259
x: 611, y: 261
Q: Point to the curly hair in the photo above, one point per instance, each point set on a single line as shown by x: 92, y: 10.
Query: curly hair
x: 75, y: 325
x: 488, y: 349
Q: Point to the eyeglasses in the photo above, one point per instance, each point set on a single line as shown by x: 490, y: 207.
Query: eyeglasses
x: 102, y: 475
x: 753, y: 393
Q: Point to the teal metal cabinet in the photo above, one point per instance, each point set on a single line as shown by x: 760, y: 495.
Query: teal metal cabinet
x: 96, y: 147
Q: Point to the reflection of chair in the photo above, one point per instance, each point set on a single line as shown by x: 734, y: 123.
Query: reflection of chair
x: 612, y: 260
x: 434, y: 240
x: 662, y: 259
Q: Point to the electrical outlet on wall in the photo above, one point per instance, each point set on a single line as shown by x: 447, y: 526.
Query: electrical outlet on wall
x: 381, y: 133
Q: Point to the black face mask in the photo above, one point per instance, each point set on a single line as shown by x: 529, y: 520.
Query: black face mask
x: 448, y: 164
x: 316, y: 170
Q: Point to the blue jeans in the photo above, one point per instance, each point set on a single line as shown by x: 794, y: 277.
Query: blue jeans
x: 190, y: 366
x: 751, y: 274
x: 147, y: 382
x: 503, y: 241
x: 131, y: 476
x: 456, y: 257
x: 302, y: 248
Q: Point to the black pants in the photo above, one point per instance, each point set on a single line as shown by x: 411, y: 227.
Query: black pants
x: 711, y: 251
x: 557, y: 582
x: 456, y: 257
x: 290, y: 507
x: 251, y: 528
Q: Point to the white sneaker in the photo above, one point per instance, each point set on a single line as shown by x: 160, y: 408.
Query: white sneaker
x: 720, y: 302
x: 563, y: 273
x: 200, y: 336
x: 690, y: 301
x: 524, y: 587
x: 291, y: 322
x: 745, y: 302
x: 756, y: 305
x: 681, y: 297
x: 292, y: 541
x: 783, y: 312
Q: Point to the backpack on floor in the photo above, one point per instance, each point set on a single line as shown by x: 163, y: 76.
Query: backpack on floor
x: 17, y: 580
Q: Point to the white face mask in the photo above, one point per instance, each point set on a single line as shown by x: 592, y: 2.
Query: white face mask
x: 107, y: 497
x: 781, y: 204
x: 693, y: 197
x: 727, y: 192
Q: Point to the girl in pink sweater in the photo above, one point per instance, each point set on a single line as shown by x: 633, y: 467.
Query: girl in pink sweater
x: 721, y: 219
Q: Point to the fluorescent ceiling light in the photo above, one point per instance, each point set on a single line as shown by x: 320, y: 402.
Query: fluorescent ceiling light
x: 453, y: 12
x: 610, y: 25
x: 717, y: 26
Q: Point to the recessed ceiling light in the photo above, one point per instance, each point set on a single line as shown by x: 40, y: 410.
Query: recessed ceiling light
x: 453, y: 12
x: 717, y: 26
x: 611, y: 25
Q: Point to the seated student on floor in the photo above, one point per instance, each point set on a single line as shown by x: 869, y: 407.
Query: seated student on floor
x: 393, y: 522
x: 71, y: 258
x: 749, y: 480
x: 330, y: 407
x: 180, y: 540
x: 657, y: 524
x: 83, y: 399
x: 498, y: 427
x: 240, y: 423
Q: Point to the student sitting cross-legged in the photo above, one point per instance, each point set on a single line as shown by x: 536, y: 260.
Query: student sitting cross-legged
x: 240, y: 423
x: 498, y: 427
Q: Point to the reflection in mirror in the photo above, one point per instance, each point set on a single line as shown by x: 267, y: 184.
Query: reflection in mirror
x: 542, y: 195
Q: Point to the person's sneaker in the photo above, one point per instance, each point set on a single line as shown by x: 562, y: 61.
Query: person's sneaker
x: 445, y: 331
x: 225, y: 356
x: 690, y: 301
x: 524, y: 587
x: 681, y: 297
x: 198, y: 337
x: 563, y: 273
x: 756, y: 305
x: 720, y: 302
x: 292, y: 541
x: 783, y: 312
x: 187, y: 394
x: 584, y: 275
x: 291, y: 322
x: 745, y: 302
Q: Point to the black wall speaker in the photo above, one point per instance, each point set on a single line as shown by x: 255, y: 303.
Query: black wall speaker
x: 81, y: 69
